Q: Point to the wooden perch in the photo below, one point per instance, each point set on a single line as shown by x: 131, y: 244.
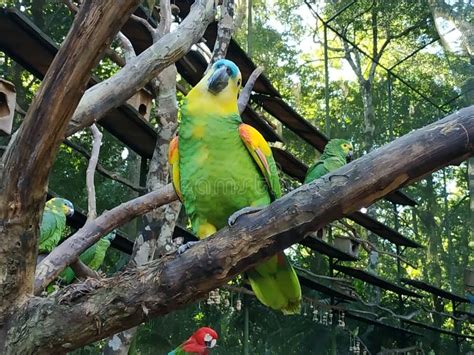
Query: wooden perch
x: 103, y: 308
x: 26, y: 163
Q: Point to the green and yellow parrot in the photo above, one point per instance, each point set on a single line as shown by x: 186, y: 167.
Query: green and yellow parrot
x: 337, y: 153
x: 221, y: 165
x: 53, y: 223
x: 93, y: 257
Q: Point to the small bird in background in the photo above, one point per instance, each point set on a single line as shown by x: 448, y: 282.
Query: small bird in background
x: 337, y: 153
x: 199, y: 343
x: 53, y: 223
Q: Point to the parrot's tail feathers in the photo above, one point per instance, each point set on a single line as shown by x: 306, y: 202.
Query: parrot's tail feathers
x: 276, y: 285
x: 293, y: 307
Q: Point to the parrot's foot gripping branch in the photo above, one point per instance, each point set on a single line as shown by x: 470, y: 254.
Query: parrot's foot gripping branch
x: 246, y: 210
x: 185, y: 247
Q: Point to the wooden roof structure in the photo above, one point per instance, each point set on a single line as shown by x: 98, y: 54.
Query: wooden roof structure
x: 375, y: 280
x: 436, y: 329
x: 435, y: 290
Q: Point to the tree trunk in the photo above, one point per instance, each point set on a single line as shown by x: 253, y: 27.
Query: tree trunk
x: 29, y: 157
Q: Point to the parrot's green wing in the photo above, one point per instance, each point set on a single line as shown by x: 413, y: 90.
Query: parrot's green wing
x: 274, y: 281
x: 51, y: 230
x: 322, y: 167
x: 67, y: 276
x: 262, y: 155
x: 93, y: 257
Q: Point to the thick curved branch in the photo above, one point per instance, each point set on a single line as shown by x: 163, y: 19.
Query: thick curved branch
x: 28, y: 160
x: 138, y: 72
x: 91, y: 232
x: 99, y: 309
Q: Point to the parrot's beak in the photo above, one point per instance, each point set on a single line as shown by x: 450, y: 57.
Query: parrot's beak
x: 349, y: 156
x: 70, y: 212
x: 210, y: 344
x: 218, y: 80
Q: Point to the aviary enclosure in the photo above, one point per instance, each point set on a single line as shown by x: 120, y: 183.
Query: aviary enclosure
x: 92, y: 96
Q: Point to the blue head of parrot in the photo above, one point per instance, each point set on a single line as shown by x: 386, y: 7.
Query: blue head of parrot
x: 222, y: 71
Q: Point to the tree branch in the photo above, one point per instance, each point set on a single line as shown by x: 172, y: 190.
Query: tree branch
x: 100, y: 309
x: 378, y: 54
x: 244, y: 96
x: 355, y: 66
x: 82, y: 271
x: 28, y: 160
x: 145, y: 23
x: 225, y: 30
x: 137, y: 73
x: 129, y: 52
x: 166, y: 18
x: 103, y: 171
x: 91, y: 232
x: 91, y: 201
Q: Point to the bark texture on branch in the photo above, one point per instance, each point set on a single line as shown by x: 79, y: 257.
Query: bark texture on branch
x: 26, y: 163
x: 225, y: 29
x: 139, y: 71
x: 92, y: 231
x: 94, y: 310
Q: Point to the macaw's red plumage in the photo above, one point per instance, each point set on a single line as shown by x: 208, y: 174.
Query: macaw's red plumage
x: 199, y: 343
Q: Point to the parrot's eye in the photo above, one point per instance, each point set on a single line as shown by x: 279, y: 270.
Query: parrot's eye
x: 238, y: 82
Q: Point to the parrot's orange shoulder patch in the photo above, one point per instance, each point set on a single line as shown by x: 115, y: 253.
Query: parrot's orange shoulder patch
x: 253, y: 138
x: 173, y: 151
x: 258, y: 149
x: 173, y: 159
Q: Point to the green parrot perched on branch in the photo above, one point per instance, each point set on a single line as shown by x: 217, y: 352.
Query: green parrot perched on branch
x: 93, y: 257
x: 337, y: 153
x: 220, y: 166
x: 53, y: 223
